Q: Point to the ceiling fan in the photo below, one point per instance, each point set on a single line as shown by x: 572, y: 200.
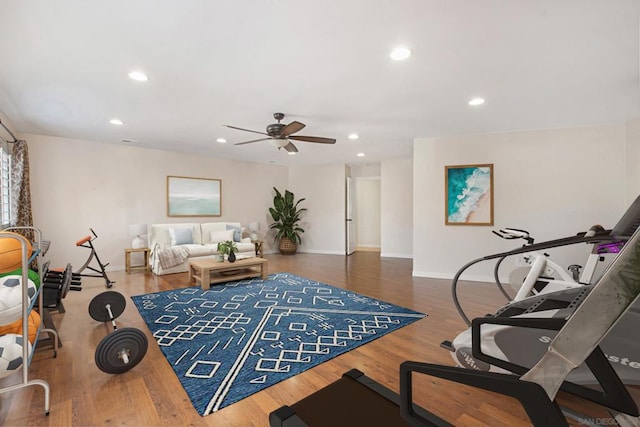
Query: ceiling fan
x: 280, y: 134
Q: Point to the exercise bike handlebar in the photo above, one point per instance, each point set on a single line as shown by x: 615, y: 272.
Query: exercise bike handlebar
x: 514, y: 233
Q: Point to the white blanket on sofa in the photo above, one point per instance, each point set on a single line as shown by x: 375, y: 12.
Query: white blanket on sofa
x: 170, y: 257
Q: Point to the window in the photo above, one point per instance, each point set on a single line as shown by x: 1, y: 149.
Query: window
x: 5, y: 186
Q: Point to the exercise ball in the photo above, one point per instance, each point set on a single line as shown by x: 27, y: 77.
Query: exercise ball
x: 16, y: 327
x: 33, y: 275
x: 11, y: 354
x: 11, y: 298
x: 11, y: 252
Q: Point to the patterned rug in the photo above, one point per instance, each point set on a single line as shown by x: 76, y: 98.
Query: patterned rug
x: 238, y: 338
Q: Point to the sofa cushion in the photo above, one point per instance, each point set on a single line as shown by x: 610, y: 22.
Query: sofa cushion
x: 159, y: 233
x: 221, y: 236
x: 181, y: 235
x: 246, y: 247
x: 207, y: 227
x: 201, y: 250
x: 237, y: 232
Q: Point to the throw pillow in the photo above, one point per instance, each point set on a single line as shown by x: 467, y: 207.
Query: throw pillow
x: 221, y: 236
x: 181, y: 236
x: 237, y: 232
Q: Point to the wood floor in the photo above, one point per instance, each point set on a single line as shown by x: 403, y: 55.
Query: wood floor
x: 151, y: 395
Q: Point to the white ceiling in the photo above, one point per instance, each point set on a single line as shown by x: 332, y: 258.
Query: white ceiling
x: 538, y: 64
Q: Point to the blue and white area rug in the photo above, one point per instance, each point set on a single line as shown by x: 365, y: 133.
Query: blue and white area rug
x: 238, y: 338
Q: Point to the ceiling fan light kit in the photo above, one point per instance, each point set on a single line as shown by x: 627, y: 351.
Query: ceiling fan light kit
x: 279, y: 135
x: 279, y: 142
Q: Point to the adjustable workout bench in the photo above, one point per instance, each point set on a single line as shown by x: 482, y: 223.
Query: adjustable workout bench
x: 87, y: 242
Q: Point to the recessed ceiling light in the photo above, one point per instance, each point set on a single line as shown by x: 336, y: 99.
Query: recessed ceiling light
x: 360, y: 154
x: 400, y: 53
x: 116, y: 122
x: 353, y: 136
x: 138, y: 76
x: 476, y: 101
x: 291, y: 153
x: 221, y: 140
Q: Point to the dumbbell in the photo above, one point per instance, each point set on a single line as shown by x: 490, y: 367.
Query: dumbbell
x: 122, y: 349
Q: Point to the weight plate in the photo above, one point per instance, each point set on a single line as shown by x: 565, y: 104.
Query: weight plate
x: 130, y: 341
x: 98, y: 306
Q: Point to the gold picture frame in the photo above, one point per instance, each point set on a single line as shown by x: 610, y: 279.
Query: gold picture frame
x: 191, y: 197
x: 468, y: 193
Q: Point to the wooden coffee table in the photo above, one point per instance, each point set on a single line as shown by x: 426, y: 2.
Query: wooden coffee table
x: 208, y: 271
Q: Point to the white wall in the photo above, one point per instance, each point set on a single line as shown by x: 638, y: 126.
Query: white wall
x: 632, y: 160
x: 364, y: 170
x: 396, y: 208
x: 367, y: 212
x: 4, y: 135
x: 77, y: 184
x: 324, y: 188
x: 553, y: 183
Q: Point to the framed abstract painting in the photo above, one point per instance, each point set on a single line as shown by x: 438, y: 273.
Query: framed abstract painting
x: 193, y: 196
x: 468, y: 194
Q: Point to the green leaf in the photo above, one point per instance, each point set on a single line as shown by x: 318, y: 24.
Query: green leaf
x: 286, y: 214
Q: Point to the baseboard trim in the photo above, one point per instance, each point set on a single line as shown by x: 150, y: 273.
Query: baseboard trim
x: 306, y: 251
x: 395, y: 255
x: 367, y: 248
x: 449, y: 276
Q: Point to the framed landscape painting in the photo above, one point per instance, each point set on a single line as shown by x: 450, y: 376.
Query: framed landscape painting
x: 193, y: 196
x: 468, y: 194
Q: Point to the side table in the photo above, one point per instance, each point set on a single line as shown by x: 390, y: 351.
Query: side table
x: 146, y: 252
x: 258, y: 244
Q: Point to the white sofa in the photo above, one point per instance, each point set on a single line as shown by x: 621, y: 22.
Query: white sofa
x: 173, y: 245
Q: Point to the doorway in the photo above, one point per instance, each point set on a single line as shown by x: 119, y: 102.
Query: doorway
x: 363, y: 221
x: 350, y: 216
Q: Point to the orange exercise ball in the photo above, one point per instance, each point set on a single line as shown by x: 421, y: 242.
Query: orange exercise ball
x: 11, y: 252
x: 16, y: 327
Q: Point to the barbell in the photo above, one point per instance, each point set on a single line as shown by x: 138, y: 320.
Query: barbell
x: 122, y: 349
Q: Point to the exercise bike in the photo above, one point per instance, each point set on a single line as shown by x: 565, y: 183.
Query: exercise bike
x: 541, y: 274
x: 506, y: 345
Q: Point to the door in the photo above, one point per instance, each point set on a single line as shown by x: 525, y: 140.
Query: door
x: 351, y: 216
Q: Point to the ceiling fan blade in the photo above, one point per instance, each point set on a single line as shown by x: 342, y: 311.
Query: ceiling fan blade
x: 249, y: 142
x: 313, y: 139
x: 291, y: 148
x: 246, y: 130
x: 292, y: 127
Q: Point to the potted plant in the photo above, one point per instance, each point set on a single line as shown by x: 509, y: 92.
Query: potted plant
x: 228, y: 248
x: 286, y: 215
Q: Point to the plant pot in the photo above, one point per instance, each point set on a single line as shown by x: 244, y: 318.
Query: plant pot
x: 231, y: 257
x: 287, y: 246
